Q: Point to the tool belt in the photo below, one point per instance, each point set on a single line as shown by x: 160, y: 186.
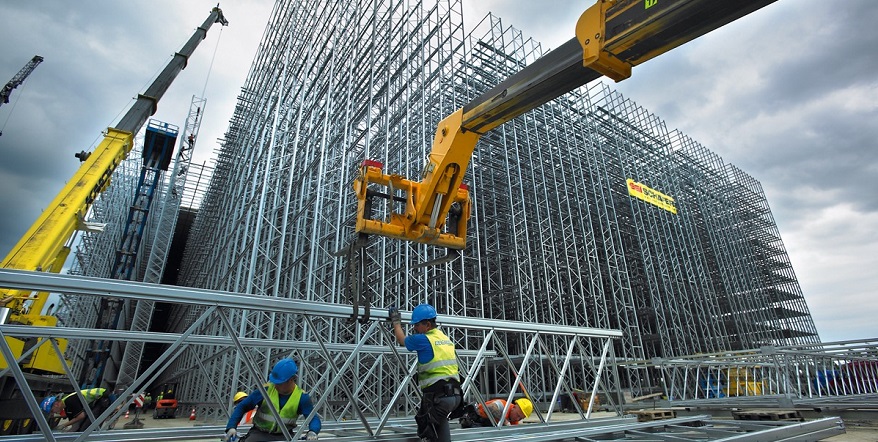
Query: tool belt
x: 444, y: 388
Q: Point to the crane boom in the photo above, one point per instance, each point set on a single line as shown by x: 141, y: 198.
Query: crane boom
x: 44, y: 246
x: 612, y: 36
x: 19, y: 78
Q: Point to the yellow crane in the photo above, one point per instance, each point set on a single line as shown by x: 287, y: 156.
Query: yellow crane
x: 44, y: 248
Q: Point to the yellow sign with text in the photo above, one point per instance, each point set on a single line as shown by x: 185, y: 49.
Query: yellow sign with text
x: 650, y: 195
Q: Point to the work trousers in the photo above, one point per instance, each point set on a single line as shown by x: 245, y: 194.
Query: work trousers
x: 432, y: 417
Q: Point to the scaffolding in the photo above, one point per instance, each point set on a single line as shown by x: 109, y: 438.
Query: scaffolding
x: 588, y: 213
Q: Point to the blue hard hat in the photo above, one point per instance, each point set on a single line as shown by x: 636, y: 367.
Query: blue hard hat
x: 421, y: 312
x: 283, y: 371
x: 47, y: 403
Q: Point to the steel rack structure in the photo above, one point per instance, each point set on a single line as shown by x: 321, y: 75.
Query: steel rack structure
x: 588, y: 212
x: 558, y: 235
x: 94, y: 255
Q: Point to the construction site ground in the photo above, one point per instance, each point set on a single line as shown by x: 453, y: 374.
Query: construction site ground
x: 856, y: 430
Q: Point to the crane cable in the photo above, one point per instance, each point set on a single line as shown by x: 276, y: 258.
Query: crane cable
x: 17, y: 97
x: 212, y: 58
x: 100, y: 136
x: 150, y: 80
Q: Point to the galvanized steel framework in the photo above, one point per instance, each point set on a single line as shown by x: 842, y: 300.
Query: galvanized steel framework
x: 555, y: 237
x: 337, y: 370
x: 366, y: 380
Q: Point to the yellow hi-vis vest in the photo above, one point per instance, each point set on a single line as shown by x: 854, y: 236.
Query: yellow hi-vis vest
x: 264, y: 420
x: 443, y: 366
x: 90, y: 395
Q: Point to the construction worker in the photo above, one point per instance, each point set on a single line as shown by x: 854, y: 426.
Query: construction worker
x: 437, y: 377
x: 248, y: 416
x: 477, y: 417
x: 288, y: 399
x: 97, y: 399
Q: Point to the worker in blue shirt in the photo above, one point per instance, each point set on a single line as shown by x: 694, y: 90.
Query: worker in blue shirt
x: 438, y: 374
x: 288, y: 399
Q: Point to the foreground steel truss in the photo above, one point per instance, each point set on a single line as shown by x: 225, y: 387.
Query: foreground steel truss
x: 333, y: 371
x: 360, y: 380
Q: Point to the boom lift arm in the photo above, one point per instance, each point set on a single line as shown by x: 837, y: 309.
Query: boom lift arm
x: 44, y: 247
x: 612, y: 36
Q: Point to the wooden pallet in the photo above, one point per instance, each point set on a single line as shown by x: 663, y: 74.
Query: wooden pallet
x: 768, y: 415
x: 653, y: 415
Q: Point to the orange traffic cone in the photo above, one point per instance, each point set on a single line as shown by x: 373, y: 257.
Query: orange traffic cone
x: 126, y: 414
x: 192, y: 415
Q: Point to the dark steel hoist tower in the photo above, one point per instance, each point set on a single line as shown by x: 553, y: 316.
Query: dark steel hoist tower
x: 19, y: 78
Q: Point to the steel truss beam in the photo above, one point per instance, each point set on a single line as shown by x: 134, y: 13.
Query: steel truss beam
x: 339, y: 381
x: 339, y: 359
x: 828, y: 375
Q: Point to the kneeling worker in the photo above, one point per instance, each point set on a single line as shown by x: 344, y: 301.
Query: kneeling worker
x: 97, y: 399
x: 477, y: 417
x: 288, y: 399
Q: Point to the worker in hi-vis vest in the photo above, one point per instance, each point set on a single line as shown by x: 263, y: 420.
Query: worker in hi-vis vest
x: 288, y: 399
x: 438, y: 376
x: 97, y: 399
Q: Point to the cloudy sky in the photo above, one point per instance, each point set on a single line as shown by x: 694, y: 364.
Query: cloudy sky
x: 789, y: 94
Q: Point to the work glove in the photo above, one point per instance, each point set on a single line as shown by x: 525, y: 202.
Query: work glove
x: 394, y: 316
x: 311, y: 436
x: 231, y: 435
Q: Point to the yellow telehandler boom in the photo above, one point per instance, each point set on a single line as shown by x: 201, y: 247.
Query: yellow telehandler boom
x: 612, y: 36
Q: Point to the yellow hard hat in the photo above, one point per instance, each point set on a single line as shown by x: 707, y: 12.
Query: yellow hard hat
x: 526, y: 406
x: 240, y: 395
